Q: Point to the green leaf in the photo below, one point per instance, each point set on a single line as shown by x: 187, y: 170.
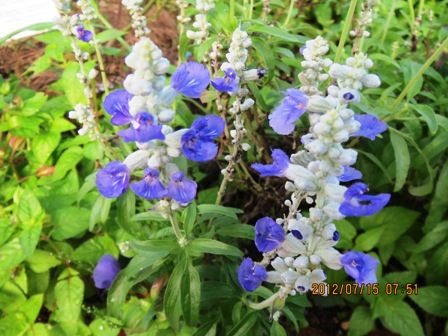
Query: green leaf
x: 92, y: 250
x: 432, y: 299
x: 398, y: 317
x: 189, y: 218
x: 150, y: 216
x: 67, y: 161
x: 204, y: 245
x: 369, y: 239
x: 236, y: 231
x: 428, y: 115
x: 244, y: 326
x: 41, y: 261
x: 109, y: 35
x: 44, y: 144
x: 437, y: 269
x: 69, y: 294
x: 151, y: 246
x: 395, y: 220
x: 277, y: 329
x: 276, y: 32
x: 218, y: 210
x: 361, y: 322
x: 11, y: 255
x: 100, y: 211
x: 70, y: 222
x: 191, y: 295
x: 432, y: 238
x: 172, y: 298
x: 126, y: 211
x: 402, y: 160
x: 140, y: 268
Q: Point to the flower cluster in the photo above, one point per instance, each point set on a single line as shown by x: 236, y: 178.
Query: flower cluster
x: 297, y: 246
x: 73, y: 26
x: 201, y: 23
x: 144, y: 106
x: 138, y: 19
x: 235, y: 75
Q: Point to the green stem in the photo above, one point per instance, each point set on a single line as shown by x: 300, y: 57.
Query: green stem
x: 101, y: 66
x: 412, y: 15
x: 345, y: 30
x: 263, y: 304
x: 420, y: 73
x: 251, y: 9
x: 175, y: 225
x: 388, y: 21
x: 289, y: 15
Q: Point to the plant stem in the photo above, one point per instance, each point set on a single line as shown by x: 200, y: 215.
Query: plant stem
x: 289, y: 15
x: 263, y: 304
x: 175, y: 225
x: 420, y: 73
x: 101, y: 66
x: 388, y: 21
x: 345, y: 30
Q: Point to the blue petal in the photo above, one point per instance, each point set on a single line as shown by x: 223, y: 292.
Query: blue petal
x: 181, y: 188
x: 83, y: 34
x: 150, y: 187
x: 277, y: 168
x: 113, y: 180
x: 268, y: 234
x: 284, y: 117
x: 209, y: 127
x: 350, y: 174
x: 228, y: 83
x: 250, y: 276
x: 105, y: 271
x: 360, y: 266
x: 199, y: 151
x: 371, y: 126
x: 357, y: 204
x: 117, y: 105
x: 191, y: 79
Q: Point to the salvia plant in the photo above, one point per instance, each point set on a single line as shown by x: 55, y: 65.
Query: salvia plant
x: 280, y: 170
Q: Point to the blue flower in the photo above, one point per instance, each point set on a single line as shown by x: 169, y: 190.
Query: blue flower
x: 117, y: 105
x: 113, y: 180
x: 268, y: 234
x: 83, y: 34
x: 357, y: 204
x: 181, y: 188
x: 228, y: 83
x: 276, y: 168
x: 190, y: 79
x: 371, y: 126
x: 142, y: 129
x: 284, y: 117
x: 360, y: 266
x: 150, y: 187
x: 198, y: 142
x: 250, y: 276
x: 350, y: 174
x: 105, y: 271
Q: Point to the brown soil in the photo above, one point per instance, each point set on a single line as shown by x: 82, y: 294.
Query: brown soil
x: 17, y: 56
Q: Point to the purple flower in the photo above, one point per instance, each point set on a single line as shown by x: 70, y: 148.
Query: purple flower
x: 268, y: 234
x: 284, y: 117
x: 371, y: 126
x: 350, y: 174
x: 228, y: 83
x: 190, y: 79
x: 83, y: 34
x: 150, y: 187
x: 250, y: 276
x: 142, y: 129
x: 105, y: 271
x: 117, y: 105
x: 357, y: 204
x: 113, y: 179
x: 198, y: 142
x: 276, y: 168
x: 360, y: 266
x: 181, y: 188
